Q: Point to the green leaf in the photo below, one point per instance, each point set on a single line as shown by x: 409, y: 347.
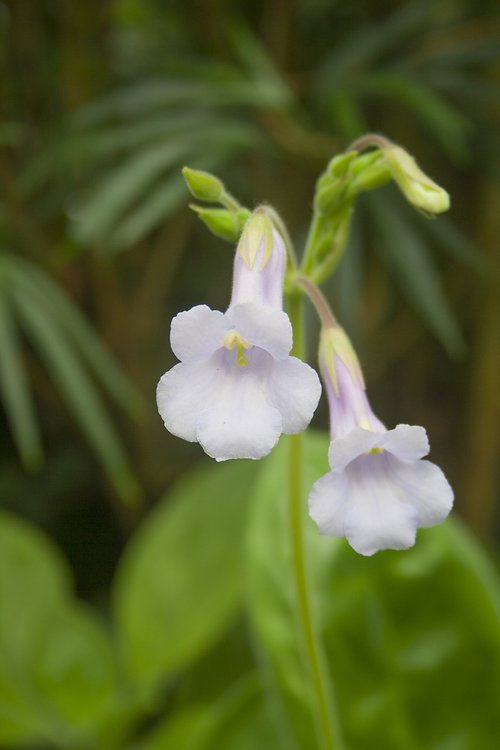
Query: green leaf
x: 411, y: 638
x: 449, y: 238
x: 447, y: 123
x: 272, y: 595
x: 14, y: 386
x: 73, y: 669
x: 77, y: 388
x: 38, y: 285
x: 407, y: 257
x: 56, y: 672
x: 237, y: 720
x: 123, y: 185
x: 179, y: 584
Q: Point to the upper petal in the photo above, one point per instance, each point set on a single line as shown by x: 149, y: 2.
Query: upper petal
x: 407, y: 442
x: 346, y: 449
x: 182, y: 394
x: 378, y: 516
x: 294, y: 389
x: 239, y: 421
x: 263, y: 326
x: 197, y: 333
x: 424, y: 485
x: 328, y: 501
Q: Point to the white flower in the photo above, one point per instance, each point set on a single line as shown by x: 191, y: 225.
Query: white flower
x: 379, y: 490
x: 236, y: 389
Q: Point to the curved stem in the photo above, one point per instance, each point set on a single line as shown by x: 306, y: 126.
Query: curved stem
x: 327, y: 728
x: 325, y: 312
x: 370, y: 139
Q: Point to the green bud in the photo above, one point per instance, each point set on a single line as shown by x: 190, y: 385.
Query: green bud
x: 329, y: 198
x: 363, y: 162
x: 339, y: 165
x: 257, y: 229
x: 222, y: 223
x: 419, y: 189
x: 374, y: 174
x: 203, y: 185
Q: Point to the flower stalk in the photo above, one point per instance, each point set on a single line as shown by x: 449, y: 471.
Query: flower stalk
x: 326, y: 720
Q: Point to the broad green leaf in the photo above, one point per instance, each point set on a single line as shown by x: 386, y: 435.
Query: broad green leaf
x: 179, y: 585
x: 412, y: 638
x: 56, y: 673
x: 16, y: 395
x: 272, y: 598
x: 72, y: 667
x: 237, y: 720
x: 408, y: 258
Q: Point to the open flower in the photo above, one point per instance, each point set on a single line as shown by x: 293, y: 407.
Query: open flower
x: 379, y: 490
x: 236, y: 389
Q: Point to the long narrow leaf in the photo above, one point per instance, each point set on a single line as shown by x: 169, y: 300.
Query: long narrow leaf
x: 408, y: 258
x: 39, y: 286
x: 123, y: 185
x: 78, y: 391
x: 16, y: 394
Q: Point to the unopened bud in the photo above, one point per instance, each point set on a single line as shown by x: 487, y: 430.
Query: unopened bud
x: 222, y: 223
x: 369, y: 174
x: 203, y: 185
x: 329, y: 198
x: 257, y: 230
x: 418, y: 188
x: 334, y: 343
x: 339, y: 165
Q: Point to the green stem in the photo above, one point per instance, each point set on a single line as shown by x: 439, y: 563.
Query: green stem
x: 327, y: 728
x: 312, y: 239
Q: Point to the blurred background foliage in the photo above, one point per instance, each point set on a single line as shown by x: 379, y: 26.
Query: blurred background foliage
x: 102, y: 104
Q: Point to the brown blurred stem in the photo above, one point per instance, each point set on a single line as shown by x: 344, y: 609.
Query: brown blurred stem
x: 482, y: 433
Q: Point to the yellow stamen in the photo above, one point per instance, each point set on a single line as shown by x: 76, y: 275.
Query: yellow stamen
x: 233, y: 340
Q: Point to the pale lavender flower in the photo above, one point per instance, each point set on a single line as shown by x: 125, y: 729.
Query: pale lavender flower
x: 236, y: 389
x: 379, y: 489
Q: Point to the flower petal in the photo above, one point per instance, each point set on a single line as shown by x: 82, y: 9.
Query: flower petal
x: 328, y: 500
x: 263, y: 282
x: 264, y: 326
x: 197, y: 333
x: 424, y: 486
x: 377, y: 518
x: 294, y: 389
x: 240, y: 422
x: 407, y: 442
x: 345, y: 449
x: 182, y: 393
